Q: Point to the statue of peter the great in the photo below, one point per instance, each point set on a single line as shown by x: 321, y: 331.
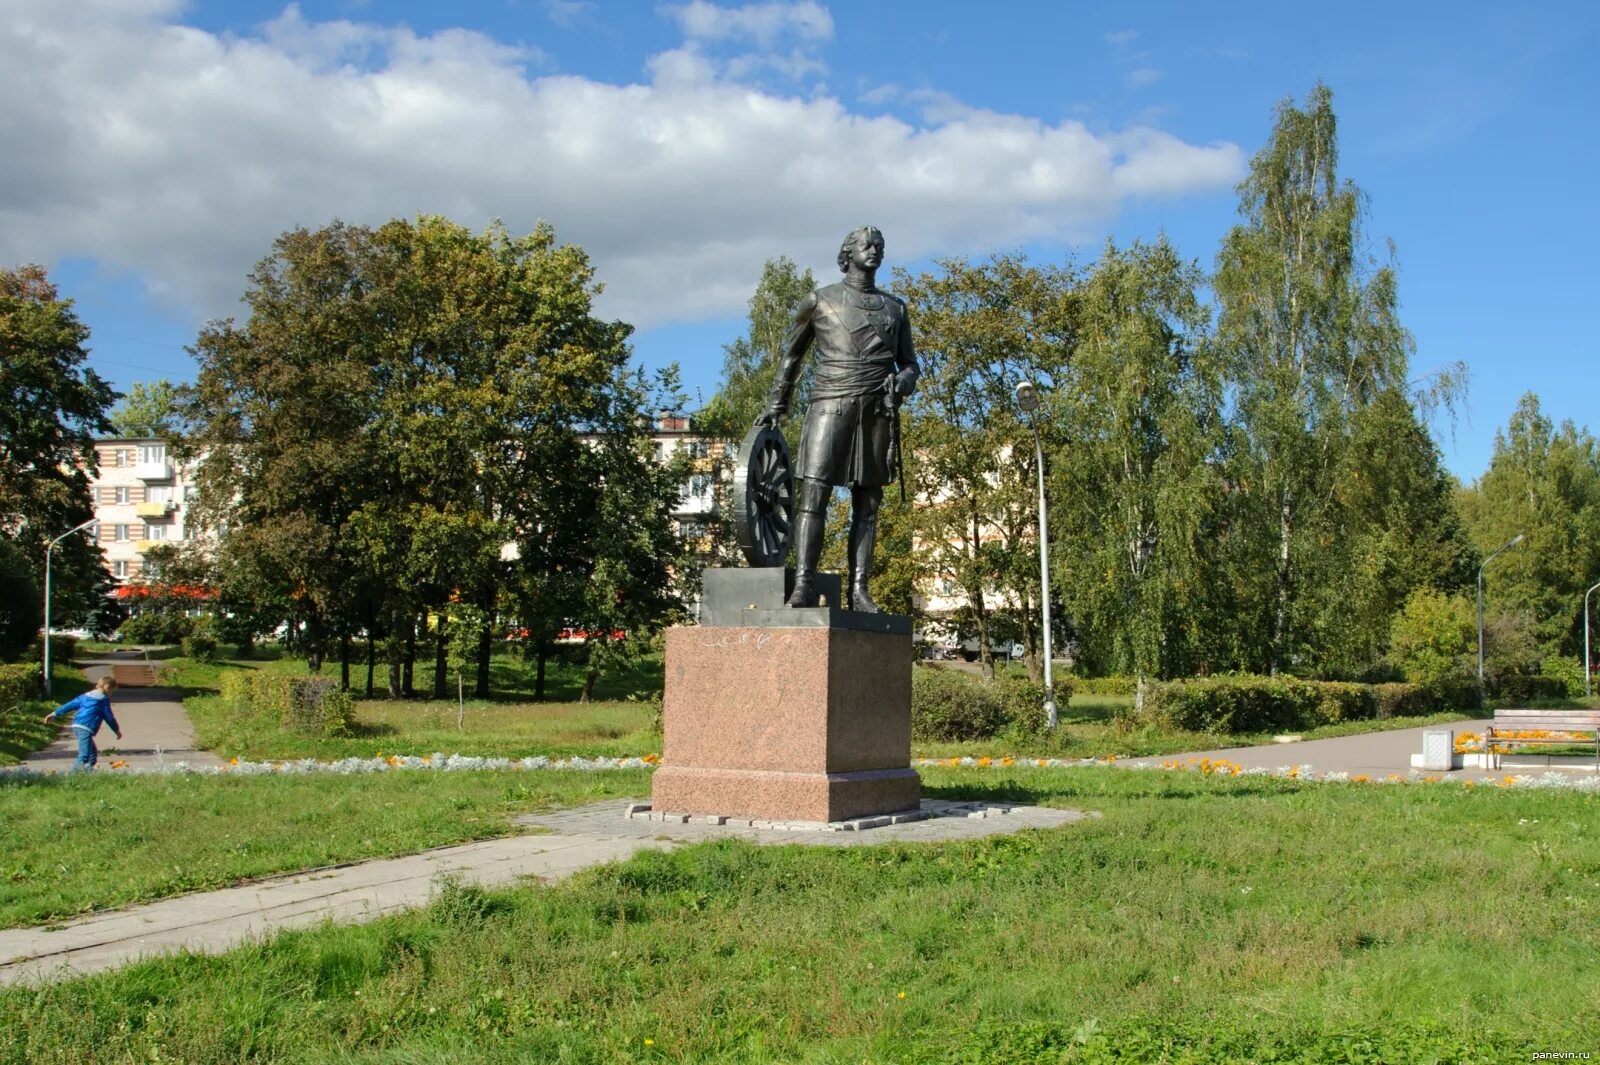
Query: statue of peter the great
x: 865, y: 367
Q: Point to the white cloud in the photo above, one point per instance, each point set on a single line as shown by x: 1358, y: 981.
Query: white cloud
x: 1143, y: 77
x: 761, y: 23
x: 156, y: 147
x: 1121, y: 38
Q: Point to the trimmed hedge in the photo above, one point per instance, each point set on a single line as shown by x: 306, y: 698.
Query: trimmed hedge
x: 155, y: 628
x: 950, y: 706
x: 311, y: 705
x: 947, y: 706
x: 1115, y: 685
x: 1517, y: 688
x: 19, y: 682
x: 1242, y: 703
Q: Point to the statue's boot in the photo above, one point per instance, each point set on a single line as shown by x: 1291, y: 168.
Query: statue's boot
x: 863, y: 538
x: 810, y: 515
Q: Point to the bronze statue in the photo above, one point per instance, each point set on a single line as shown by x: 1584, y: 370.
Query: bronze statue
x: 865, y: 367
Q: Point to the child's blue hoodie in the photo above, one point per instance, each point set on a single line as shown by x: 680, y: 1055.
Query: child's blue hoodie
x: 93, y: 708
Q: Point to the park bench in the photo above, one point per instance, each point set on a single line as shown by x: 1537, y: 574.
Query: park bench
x: 1522, y: 728
x: 134, y: 674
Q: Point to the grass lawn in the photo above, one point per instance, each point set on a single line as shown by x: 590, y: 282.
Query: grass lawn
x: 74, y: 843
x: 1239, y: 919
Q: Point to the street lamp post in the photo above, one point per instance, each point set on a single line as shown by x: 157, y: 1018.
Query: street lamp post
x: 1028, y: 399
x: 1513, y: 542
x: 1587, y: 690
x: 48, y: 549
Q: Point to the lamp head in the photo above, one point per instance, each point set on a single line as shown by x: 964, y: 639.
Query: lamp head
x: 1027, y: 396
x: 1515, y: 540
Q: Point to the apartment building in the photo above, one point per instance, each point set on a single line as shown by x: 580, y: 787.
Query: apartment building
x: 140, y: 501
x: 671, y: 433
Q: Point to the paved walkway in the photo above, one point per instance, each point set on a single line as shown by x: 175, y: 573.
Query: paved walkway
x: 155, y: 729
x: 214, y: 921
x: 1377, y: 754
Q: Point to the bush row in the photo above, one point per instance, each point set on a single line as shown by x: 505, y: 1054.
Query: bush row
x: 156, y: 627
x: 18, y: 683
x: 62, y: 650
x: 949, y: 706
x: 311, y: 705
x: 1240, y: 703
x: 1517, y: 688
x: 1115, y: 685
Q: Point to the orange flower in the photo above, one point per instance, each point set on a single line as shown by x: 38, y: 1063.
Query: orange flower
x: 984, y: 761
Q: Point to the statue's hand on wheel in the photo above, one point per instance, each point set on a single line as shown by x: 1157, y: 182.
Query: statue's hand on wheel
x: 770, y: 417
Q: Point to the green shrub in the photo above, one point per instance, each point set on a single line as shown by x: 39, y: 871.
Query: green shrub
x: 1238, y: 703
x: 1521, y: 688
x: 950, y: 706
x: 200, y: 647
x: 1022, y: 702
x: 1433, y: 635
x: 18, y: 683
x: 155, y: 628
x: 1568, y: 669
x: 308, y: 705
x: 1116, y: 685
x: 62, y: 650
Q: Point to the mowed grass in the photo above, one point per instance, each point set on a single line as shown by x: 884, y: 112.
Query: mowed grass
x: 79, y: 842
x: 1197, y: 920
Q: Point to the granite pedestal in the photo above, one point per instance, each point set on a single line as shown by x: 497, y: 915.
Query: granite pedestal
x: 793, y: 714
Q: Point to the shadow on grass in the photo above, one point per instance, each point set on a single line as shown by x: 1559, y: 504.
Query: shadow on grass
x: 1037, y: 795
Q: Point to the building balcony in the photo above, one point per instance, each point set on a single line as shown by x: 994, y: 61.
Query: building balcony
x: 153, y: 471
x: 154, y: 510
x: 144, y: 547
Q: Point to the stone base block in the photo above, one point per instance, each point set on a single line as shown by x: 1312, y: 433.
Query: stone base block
x: 779, y: 796
x: 809, y: 721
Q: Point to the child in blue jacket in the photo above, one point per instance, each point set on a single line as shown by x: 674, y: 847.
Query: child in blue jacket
x: 90, y: 710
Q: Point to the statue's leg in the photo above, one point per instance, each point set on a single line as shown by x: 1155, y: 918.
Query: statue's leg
x: 864, y: 504
x: 811, y: 512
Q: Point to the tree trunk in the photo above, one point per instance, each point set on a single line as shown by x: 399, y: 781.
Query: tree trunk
x: 344, y: 661
x: 247, y: 646
x: 394, y: 650
x: 1280, y: 614
x: 1138, y: 696
x: 480, y: 688
x: 408, y: 669
x: 372, y: 650
x: 591, y: 674
x: 440, y: 656
x: 538, y: 674
x: 314, y: 643
x: 1033, y: 656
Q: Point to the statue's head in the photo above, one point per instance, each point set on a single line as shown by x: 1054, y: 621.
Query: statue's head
x: 860, y: 238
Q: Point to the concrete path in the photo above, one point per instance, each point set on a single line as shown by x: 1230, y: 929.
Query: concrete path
x: 155, y: 729
x: 1377, y: 754
x: 215, y: 921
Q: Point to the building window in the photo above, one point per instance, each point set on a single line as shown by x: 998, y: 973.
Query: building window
x: 699, y: 486
x: 158, y: 493
x: 699, y: 449
x: 122, y: 494
x: 119, y: 569
x: 155, y: 532
x: 152, y: 453
x: 119, y: 533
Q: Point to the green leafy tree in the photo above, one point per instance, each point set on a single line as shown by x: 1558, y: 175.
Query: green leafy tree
x: 1135, y: 485
x: 1314, y: 338
x: 1434, y: 636
x: 980, y: 328
x: 51, y: 408
x: 148, y: 410
x: 1543, y: 482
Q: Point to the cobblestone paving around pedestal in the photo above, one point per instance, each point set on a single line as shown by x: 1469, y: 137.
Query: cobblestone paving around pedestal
x: 214, y: 921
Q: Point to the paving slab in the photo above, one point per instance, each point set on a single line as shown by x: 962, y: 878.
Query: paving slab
x: 215, y: 921
x: 156, y: 730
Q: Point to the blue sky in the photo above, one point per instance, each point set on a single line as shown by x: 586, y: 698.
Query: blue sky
x: 162, y: 145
